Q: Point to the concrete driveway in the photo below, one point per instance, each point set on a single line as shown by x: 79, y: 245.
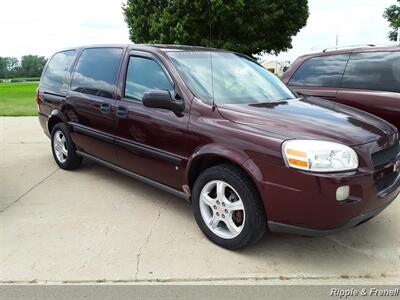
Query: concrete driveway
x: 96, y: 225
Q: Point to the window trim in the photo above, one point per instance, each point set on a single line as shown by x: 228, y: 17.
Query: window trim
x: 320, y: 86
x: 75, y: 64
x: 145, y: 55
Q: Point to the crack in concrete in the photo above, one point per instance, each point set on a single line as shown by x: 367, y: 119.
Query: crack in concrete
x: 29, y: 190
x: 23, y: 143
x: 197, y: 279
x: 146, y: 241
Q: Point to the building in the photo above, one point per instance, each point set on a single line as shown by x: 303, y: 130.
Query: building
x: 276, y: 67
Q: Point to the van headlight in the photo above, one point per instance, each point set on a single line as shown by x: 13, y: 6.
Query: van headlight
x: 319, y: 156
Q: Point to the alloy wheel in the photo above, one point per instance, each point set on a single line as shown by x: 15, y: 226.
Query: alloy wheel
x: 60, y: 146
x: 222, y: 209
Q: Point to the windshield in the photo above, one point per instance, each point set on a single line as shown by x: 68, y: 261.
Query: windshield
x: 228, y: 78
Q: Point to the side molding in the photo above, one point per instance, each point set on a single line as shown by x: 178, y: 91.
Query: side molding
x: 136, y: 176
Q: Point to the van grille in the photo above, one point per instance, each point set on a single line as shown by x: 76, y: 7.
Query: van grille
x: 385, y: 156
x: 386, y: 181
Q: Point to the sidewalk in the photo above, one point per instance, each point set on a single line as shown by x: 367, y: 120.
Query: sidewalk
x: 94, y: 225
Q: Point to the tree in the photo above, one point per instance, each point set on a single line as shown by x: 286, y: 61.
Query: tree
x: 12, y: 67
x: 3, y: 67
x: 248, y: 26
x: 9, y: 67
x: 392, y: 14
x: 32, y: 65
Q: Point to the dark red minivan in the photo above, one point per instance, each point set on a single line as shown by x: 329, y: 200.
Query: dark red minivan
x: 217, y: 129
x: 366, y: 78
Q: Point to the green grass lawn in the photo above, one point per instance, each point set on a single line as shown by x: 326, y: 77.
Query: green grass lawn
x: 18, y: 99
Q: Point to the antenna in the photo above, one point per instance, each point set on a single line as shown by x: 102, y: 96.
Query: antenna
x: 211, y: 58
x: 210, y: 22
x: 212, y: 81
x: 337, y: 40
x: 398, y: 36
x: 398, y: 29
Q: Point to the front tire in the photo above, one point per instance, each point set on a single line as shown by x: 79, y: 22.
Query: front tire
x: 64, y: 150
x: 227, y: 207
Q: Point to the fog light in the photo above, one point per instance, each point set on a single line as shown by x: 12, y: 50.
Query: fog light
x: 342, y: 193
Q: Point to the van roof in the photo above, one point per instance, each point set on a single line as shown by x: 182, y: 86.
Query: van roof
x: 361, y: 49
x: 162, y: 47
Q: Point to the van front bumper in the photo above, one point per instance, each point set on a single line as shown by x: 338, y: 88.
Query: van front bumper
x: 355, y: 221
x: 308, y: 205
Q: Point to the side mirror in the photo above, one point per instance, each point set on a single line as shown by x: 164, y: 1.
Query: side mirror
x: 162, y: 99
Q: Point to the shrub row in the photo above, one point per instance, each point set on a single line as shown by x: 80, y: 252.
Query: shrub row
x: 21, y: 79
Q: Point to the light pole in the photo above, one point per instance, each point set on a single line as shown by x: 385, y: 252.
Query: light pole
x: 398, y: 35
x: 398, y: 29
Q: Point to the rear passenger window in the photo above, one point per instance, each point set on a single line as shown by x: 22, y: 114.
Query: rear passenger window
x: 143, y: 74
x: 96, y: 71
x: 378, y: 71
x: 326, y: 71
x: 57, y: 68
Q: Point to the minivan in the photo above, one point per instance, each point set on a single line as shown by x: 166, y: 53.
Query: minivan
x: 217, y: 129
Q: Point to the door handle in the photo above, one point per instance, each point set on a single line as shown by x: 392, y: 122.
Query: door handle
x: 122, y: 112
x: 105, y: 108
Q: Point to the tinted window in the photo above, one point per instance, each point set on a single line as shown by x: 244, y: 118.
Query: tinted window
x: 324, y: 71
x: 373, y: 71
x: 144, y: 74
x: 57, y: 68
x: 96, y: 71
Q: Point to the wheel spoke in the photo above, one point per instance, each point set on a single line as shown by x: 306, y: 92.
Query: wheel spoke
x: 233, y: 229
x: 64, y: 151
x: 207, y: 200
x: 237, y: 205
x: 213, y: 222
x: 221, y: 190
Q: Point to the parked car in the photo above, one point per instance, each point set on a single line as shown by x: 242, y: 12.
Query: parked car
x: 220, y: 131
x: 366, y: 78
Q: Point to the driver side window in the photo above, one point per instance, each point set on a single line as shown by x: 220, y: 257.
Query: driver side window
x: 143, y: 74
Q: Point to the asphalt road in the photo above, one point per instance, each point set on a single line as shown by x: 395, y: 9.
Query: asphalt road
x: 94, y: 225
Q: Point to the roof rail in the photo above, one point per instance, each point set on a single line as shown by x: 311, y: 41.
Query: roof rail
x: 393, y: 44
x: 348, y: 47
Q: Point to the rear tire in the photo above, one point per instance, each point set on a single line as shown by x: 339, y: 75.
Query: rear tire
x: 63, y: 148
x: 228, y: 208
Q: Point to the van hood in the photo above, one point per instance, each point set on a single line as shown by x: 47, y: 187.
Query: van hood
x: 311, y: 118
